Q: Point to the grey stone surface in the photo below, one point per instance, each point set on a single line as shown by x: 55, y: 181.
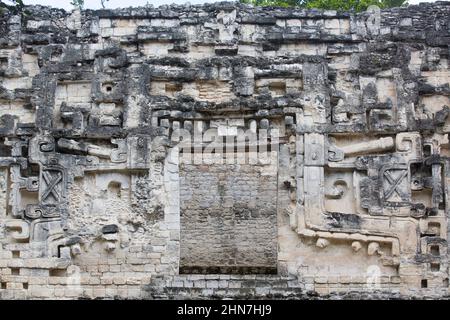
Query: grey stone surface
x: 102, y: 197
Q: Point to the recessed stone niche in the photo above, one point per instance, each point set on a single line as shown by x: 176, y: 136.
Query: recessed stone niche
x: 228, y: 218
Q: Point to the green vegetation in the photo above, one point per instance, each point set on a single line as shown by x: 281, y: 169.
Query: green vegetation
x: 80, y: 3
x: 12, y: 5
x: 77, y: 3
x: 16, y: 6
x: 357, y: 5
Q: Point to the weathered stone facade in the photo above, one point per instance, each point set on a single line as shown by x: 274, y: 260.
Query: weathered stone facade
x: 99, y: 198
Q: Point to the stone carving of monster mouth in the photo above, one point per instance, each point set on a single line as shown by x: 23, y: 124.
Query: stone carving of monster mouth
x: 224, y: 150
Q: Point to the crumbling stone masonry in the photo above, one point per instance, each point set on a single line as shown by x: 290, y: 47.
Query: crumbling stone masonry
x: 99, y: 198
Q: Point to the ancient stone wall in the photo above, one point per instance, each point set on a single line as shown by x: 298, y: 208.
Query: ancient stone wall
x: 228, y: 218
x: 224, y: 151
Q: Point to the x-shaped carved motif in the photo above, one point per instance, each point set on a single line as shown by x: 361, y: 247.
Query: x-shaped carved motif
x: 394, y: 183
x: 51, y: 181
